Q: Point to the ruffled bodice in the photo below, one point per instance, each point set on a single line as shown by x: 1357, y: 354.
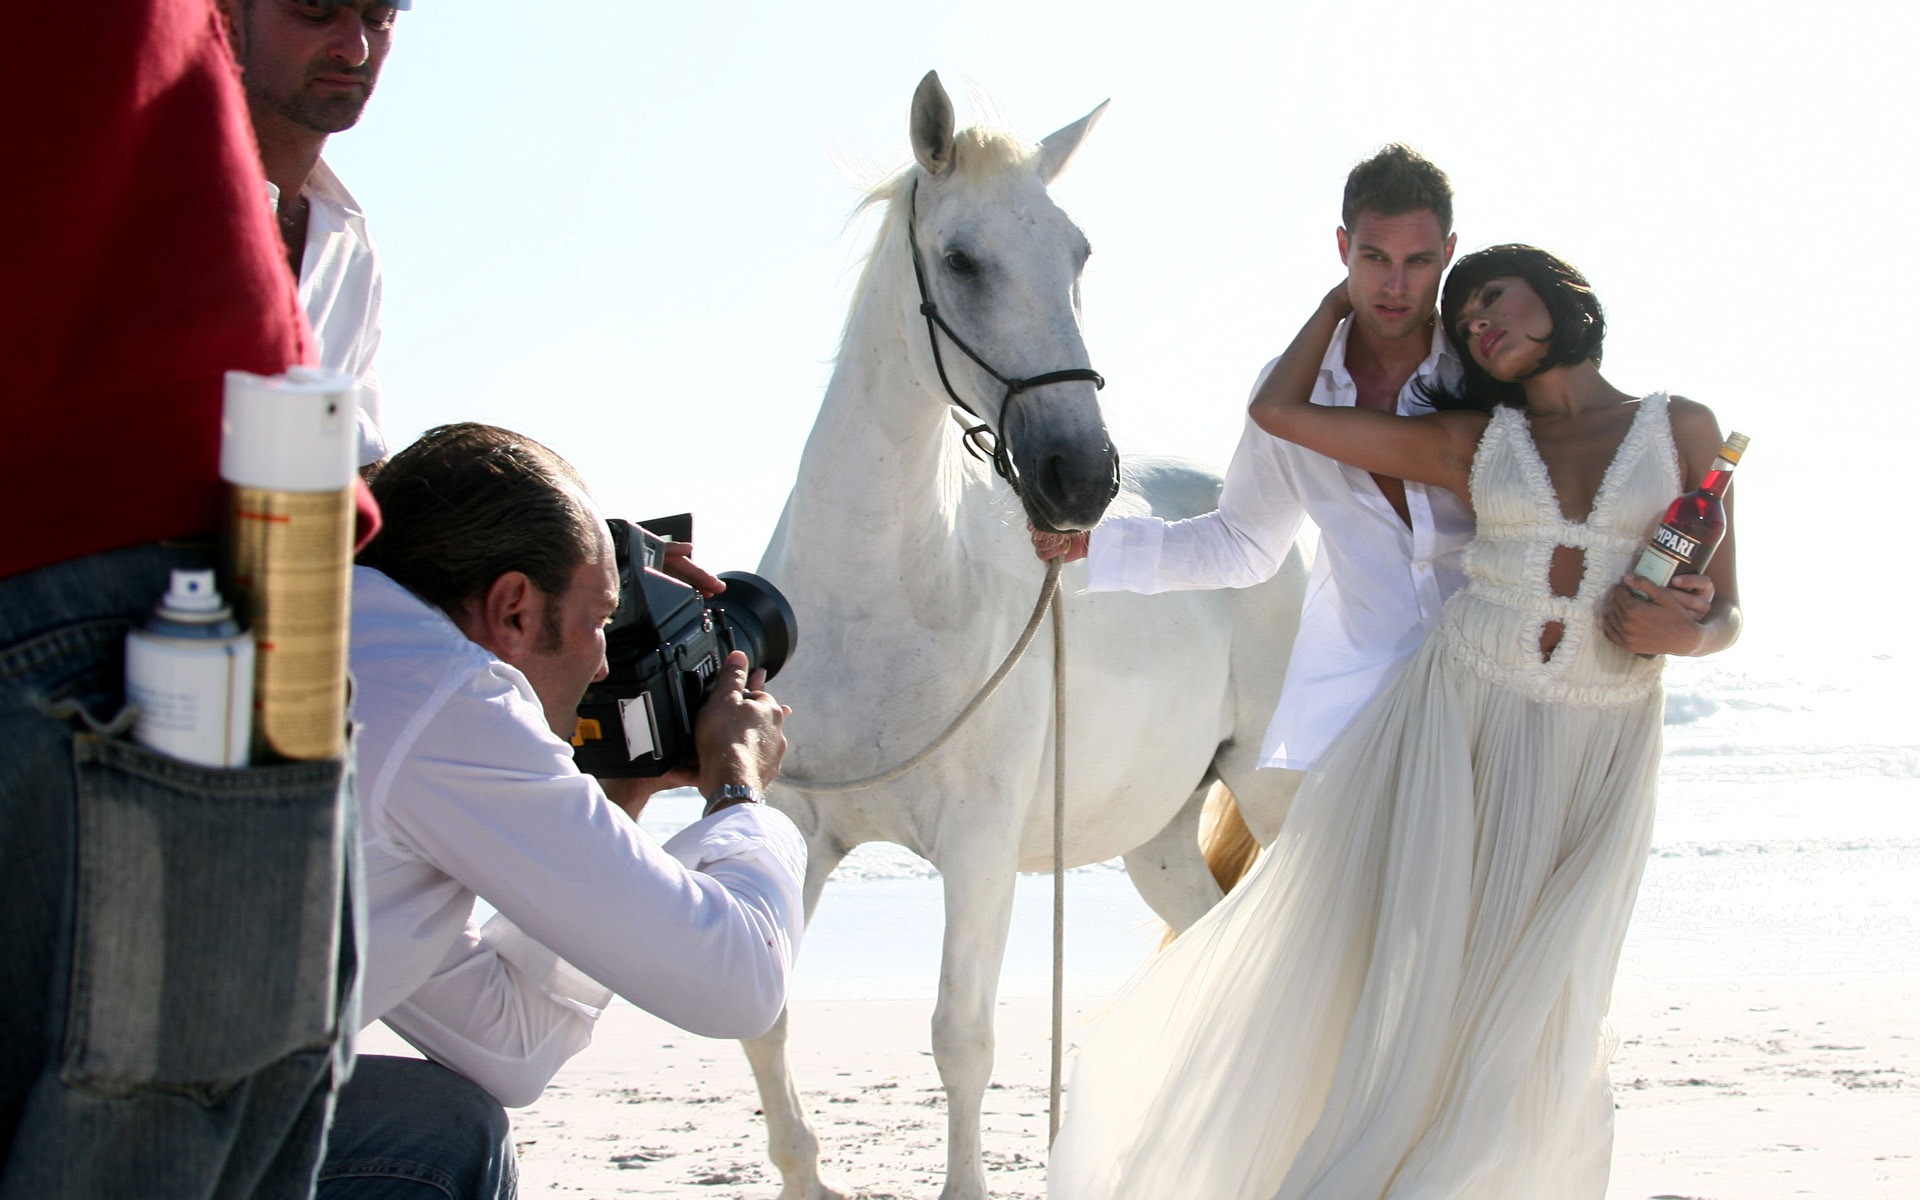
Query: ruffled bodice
x: 1493, y: 625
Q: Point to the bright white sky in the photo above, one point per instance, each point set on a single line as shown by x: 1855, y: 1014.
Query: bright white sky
x: 621, y: 228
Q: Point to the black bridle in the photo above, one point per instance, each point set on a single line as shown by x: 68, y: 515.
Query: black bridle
x: 979, y: 436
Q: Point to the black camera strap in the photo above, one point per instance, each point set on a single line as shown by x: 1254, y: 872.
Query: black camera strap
x: 982, y: 439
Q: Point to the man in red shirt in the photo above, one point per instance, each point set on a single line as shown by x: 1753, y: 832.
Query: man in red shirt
x: 176, y: 958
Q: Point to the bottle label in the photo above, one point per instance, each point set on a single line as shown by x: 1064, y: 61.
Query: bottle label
x: 1658, y: 565
x: 194, y: 695
x: 1675, y: 543
x: 292, y: 554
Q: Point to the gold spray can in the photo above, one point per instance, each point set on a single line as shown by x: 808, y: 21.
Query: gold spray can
x: 287, y: 453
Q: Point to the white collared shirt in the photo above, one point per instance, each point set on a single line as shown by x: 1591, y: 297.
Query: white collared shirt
x: 464, y: 791
x: 1376, y: 587
x: 340, y: 293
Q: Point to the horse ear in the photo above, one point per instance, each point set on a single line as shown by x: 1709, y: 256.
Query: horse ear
x: 931, y: 126
x: 1057, y: 148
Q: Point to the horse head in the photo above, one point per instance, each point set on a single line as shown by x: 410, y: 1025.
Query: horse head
x: 998, y: 266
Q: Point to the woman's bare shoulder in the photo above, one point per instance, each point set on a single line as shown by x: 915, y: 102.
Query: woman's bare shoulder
x: 1696, y: 431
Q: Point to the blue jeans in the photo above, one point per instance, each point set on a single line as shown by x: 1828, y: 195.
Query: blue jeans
x: 408, y: 1129
x: 178, y: 954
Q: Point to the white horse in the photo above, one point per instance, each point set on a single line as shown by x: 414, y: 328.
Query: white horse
x: 909, y: 565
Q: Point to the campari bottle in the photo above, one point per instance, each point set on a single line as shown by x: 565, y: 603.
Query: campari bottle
x: 1694, y: 523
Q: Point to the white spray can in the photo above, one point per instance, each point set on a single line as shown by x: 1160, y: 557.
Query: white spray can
x: 190, y: 671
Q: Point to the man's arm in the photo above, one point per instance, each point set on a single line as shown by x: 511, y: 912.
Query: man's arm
x: 1241, y: 543
x: 502, y: 1010
x: 703, y: 936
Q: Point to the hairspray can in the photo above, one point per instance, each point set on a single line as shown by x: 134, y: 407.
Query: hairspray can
x: 190, y: 672
x: 287, y: 452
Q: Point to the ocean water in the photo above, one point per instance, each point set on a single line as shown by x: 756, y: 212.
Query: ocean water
x: 1787, y: 844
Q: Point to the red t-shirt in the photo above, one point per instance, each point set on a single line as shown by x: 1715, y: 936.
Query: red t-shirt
x: 138, y: 264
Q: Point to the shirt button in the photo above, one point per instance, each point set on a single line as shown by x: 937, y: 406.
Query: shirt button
x: 1422, y: 567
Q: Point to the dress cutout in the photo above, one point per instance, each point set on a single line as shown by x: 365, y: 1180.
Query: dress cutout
x: 1407, y: 996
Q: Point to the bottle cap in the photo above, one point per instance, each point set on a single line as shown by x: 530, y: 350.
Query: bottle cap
x: 297, y: 432
x: 193, y: 597
x: 1735, y: 446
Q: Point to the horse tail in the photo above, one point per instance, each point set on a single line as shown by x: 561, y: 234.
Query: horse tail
x: 1225, y: 841
x: 1229, y: 846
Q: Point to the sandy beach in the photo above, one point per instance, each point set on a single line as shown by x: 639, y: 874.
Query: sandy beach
x: 1767, y: 1007
x: 1754, y: 1090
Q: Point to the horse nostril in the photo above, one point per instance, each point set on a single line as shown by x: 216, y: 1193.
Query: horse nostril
x: 1051, y: 481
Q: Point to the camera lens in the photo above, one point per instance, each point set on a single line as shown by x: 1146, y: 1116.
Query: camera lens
x: 759, y: 619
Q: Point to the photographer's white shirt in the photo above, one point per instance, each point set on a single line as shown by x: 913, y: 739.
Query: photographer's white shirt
x: 465, y: 792
x: 1376, y: 587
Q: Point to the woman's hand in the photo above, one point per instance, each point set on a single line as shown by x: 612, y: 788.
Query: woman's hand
x: 1337, y: 303
x: 1646, y: 618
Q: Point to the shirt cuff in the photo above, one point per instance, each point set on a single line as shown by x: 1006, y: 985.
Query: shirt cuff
x: 741, y: 831
x: 1123, y: 554
x: 555, y: 975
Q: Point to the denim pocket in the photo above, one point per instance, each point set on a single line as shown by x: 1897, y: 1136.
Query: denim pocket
x: 208, y: 919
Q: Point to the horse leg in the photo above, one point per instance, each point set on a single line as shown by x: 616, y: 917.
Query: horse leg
x: 791, y: 1142
x: 979, y: 902
x: 1170, y: 872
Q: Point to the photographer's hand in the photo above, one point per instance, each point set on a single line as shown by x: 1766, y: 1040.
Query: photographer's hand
x: 677, y: 561
x: 738, y: 734
x: 631, y: 795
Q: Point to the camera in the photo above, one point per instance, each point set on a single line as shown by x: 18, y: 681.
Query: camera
x: 666, y: 644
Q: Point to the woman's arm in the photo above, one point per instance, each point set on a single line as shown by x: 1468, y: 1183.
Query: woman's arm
x: 1436, y: 449
x: 1661, y: 623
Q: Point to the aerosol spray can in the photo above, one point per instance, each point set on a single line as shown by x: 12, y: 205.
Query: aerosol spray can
x: 287, y: 452
x: 190, y: 671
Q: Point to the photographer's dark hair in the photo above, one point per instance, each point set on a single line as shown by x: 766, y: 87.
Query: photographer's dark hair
x: 1579, y: 327
x: 467, y: 503
x: 1394, y: 181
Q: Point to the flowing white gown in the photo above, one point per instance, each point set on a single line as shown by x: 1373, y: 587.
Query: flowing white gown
x: 1407, y: 997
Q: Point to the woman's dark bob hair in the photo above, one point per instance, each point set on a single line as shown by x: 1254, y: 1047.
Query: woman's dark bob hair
x: 1579, y: 327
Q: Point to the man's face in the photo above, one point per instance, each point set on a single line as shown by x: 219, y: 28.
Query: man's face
x: 570, y: 650
x: 1394, y: 266
x: 312, y: 63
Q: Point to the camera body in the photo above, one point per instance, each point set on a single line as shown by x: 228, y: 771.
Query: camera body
x: 666, y: 644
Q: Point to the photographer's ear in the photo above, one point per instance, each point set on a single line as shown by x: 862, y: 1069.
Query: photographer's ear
x: 506, y: 619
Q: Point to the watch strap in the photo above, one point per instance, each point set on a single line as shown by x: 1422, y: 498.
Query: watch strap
x: 729, y: 794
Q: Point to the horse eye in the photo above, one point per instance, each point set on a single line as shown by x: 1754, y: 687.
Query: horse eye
x: 958, y: 262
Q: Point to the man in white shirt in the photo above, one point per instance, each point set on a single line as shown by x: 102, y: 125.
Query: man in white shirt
x: 477, y: 625
x: 309, y: 67
x: 1389, y: 551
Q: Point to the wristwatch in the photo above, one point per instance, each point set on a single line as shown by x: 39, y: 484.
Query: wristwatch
x: 729, y: 794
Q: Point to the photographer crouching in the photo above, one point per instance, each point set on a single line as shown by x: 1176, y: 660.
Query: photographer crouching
x: 478, y: 623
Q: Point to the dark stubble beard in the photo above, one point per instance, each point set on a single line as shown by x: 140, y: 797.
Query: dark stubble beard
x: 329, y: 115
x: 324, y: 116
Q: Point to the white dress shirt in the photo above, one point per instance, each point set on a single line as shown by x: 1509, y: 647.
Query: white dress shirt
x: 340, y: 293
x: 465, y: 791
x: 1376, y: 586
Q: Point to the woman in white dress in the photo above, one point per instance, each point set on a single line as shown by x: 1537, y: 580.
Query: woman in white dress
x: 1407, y: 997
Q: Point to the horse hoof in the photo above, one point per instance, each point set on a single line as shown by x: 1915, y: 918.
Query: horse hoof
x: 819, y: 1189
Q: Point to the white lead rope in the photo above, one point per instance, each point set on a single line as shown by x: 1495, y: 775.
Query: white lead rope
x: 1049, y: 598
x: 1059, y: 852
x: 1048, y: 588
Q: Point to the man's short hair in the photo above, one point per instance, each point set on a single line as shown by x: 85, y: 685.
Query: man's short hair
x: 1394, y: 181
x: 467, y: 503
